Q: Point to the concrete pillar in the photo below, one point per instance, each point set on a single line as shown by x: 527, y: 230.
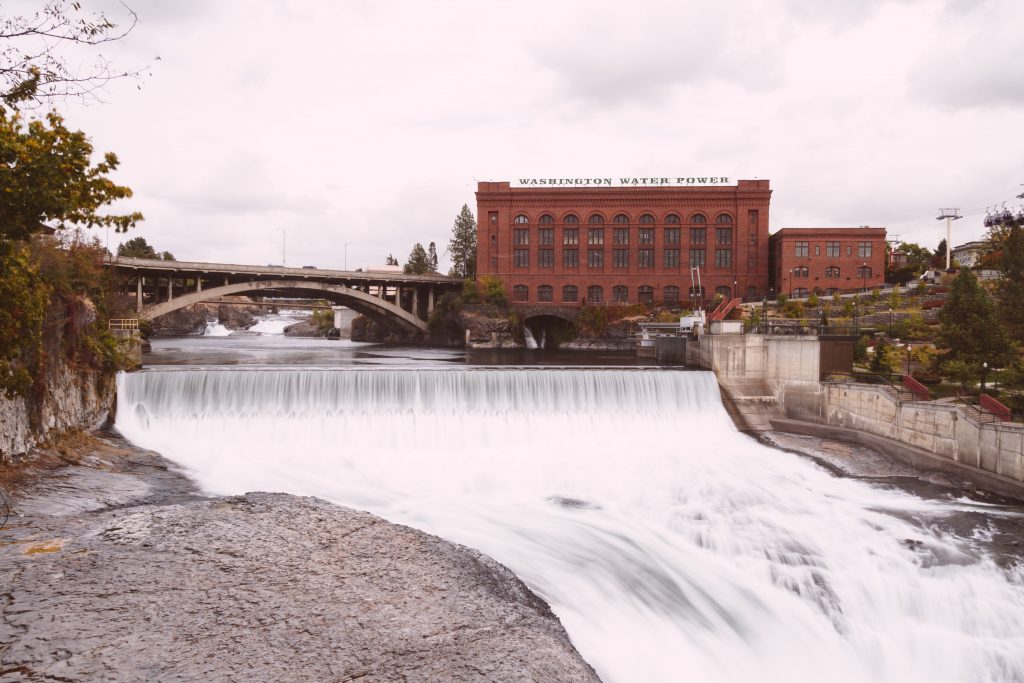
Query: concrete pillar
x: 170, y: 288
x: 416, y: 301
x: 430, y: 300
x: 138, y: 293
x: 199, y: 282
x: 225, y: 280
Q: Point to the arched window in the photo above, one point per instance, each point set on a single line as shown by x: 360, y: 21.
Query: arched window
x: 520, y: 293
x: 672, y: 219
x: 547, y: 219
x: 521, y: 219
x: 621, y: 219
x: 647, y: 219
x: 596, y: 219
x: 751, y: 292
x: 545, y: 293
x: 645, y: 294
x: 724, y: 218
x: 800, y: 271
x: 724, y: 292
x: 570, y: 293
x: 698, y: 292
x: 671, y: 295
x: 800, y: 293
x: 698, y: 218
x: 831, y: 291
x: 832, y: 272
x: 620, y: 294
x: 571, y: 219
x: 864, y: 272
x: 595, y: 294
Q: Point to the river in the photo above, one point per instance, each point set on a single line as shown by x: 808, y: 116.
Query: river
x: 671, y: 546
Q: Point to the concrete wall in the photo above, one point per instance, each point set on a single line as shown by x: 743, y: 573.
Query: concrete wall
x: 940, y: 429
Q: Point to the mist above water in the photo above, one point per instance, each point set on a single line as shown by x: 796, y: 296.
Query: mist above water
x: 671, y: 546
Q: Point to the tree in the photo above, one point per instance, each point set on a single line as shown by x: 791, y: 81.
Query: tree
x: 432, y: 256
x: 462, y: 246
x: 391, y: 260
x: 137, y: 247
x: 418, y: 262
x: 970, y: 330
x: 35, y: 65
x: 47, y: 179
x: 939, y: 257
x: 1010, y: 289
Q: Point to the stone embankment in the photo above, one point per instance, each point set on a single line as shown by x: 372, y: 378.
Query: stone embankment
x: 115, y: 568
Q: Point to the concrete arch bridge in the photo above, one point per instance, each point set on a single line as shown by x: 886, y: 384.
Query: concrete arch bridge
x: 401, y: 302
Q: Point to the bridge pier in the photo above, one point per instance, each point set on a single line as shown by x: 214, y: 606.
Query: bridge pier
x: 430, y: 300
x: 416, y: 301
x: 138, y: 293
x: 170, y: 288
x: 199, y: 283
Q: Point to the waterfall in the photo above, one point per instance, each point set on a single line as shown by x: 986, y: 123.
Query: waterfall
x: 671, y: 546
x: 531, y: 341
x: 215, y: 329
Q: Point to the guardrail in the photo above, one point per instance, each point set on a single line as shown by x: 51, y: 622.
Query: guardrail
x: 995, y: 407
x: 919, y: 390
x: 123, y: 324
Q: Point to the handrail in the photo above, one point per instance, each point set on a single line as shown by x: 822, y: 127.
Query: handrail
x: 995, y: 407
x: 123, y: 324
x: 919, y: 390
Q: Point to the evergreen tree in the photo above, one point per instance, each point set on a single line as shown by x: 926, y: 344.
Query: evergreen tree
x: 1010, y: 289
x: 138, y: 247
x: 418, y: 262
x: 463, y: 245
x: 432, y: 256
x: 391, y: 260
x: 970, y: 329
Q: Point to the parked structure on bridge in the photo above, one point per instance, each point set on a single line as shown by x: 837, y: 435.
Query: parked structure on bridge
x: 402, y: 302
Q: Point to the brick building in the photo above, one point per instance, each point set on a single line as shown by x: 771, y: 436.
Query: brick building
x: 827, y: 260
x: 569, y: 245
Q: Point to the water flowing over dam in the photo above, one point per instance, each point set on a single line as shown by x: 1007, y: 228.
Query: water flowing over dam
x: 671, y: 546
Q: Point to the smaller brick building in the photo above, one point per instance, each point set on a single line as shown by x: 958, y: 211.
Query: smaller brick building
x: 827, y: 260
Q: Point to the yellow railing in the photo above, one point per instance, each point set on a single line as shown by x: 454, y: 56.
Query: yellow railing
x: 124, y: 324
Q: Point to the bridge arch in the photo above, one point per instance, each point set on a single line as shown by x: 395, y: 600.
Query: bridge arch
x: 357, y: 300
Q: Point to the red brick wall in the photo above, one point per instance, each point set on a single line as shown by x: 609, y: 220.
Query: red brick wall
x: 498, y: 204
x: 787, y: 266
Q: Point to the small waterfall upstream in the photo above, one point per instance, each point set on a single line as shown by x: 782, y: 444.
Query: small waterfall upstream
x: 672, y: 547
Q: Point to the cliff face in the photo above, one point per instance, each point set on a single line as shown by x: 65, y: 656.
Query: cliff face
x: 73, y: 399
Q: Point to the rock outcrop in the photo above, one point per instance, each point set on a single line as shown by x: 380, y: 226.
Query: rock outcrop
x: 162, y: 586
x: 192, y: 319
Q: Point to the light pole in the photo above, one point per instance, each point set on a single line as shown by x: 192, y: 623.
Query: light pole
x: 864, y: 277
x: 855, y: 314
x: 346, y: 254
x: 734, y: 290
x: 908, y: 359
x: 790, y: 283
x: 984, y: 375
x: 890, y: 321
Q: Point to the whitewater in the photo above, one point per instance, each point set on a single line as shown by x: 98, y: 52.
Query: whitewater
x: 671, y: 546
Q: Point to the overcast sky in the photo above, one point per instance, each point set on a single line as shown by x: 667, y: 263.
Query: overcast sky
x: 369, y: 122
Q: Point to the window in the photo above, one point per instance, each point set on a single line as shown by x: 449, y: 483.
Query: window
x: 521, y: 220
x: 832, y: 272
x: 671, y: 219
x: 698, y: 235
x: 723, y: 258
x: 645, y: 294
x: 801, y: 271
x: 698, y: 218
x: 595, y: 294
x: 620, y: 258
x: 671, y: 295
x: 571, y: 236
x: 546, y: 258
x: 800, y: 293
x: 520, y: 237
x: 547, y: 219
x: 864, y: 249
x: 832, y: 249
x: 671, y: 258
x: 645, y: 258
x: 570, y: 258
x: 864, y: 272
x: 570, y: 293
x: 697, y: 258
x: 724, y: 218
x: 520, y: 293
x: 493, y: 217
x: 647, y: 219
x: 596, y: 220
x: 595, y: 236
x: 620, y: 294
x: 521, y: 258
x: 802, y: 249
x: 849, y: 250
x: 545, y: 293
x: 621, y: 219
x: 546, y: 236
x: 697, y: 292
x: 817, y: 250
x: 595, y: 258
x: 646, y: 235
x: 571, y: 219
x: 723, y: 235
x: 751, y: 292
x: 723, y: 292
x: 671, y: 235
x: 620, y: 236
x: 752, y: 218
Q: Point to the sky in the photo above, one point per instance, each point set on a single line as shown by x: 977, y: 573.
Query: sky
x: 335, y: 132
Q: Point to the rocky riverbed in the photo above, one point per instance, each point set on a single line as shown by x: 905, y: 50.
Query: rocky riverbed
x: 115, y: 567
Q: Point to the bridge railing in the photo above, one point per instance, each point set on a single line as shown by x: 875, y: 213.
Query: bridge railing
x: 123, y: 324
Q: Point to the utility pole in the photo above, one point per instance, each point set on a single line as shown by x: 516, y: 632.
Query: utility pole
x: 950, y: 215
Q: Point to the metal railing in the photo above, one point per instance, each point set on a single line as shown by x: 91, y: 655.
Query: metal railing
x: 123, y: 324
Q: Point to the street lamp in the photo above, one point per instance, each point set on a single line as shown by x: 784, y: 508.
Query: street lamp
x: 908, y: 359
x: 864, y: 277
x: 984, y: 374
x: 855, y: 322
x: 890, y: 321
x: 790, y: 283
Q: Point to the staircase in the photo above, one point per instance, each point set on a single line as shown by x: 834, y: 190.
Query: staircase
x: 724, y: 309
